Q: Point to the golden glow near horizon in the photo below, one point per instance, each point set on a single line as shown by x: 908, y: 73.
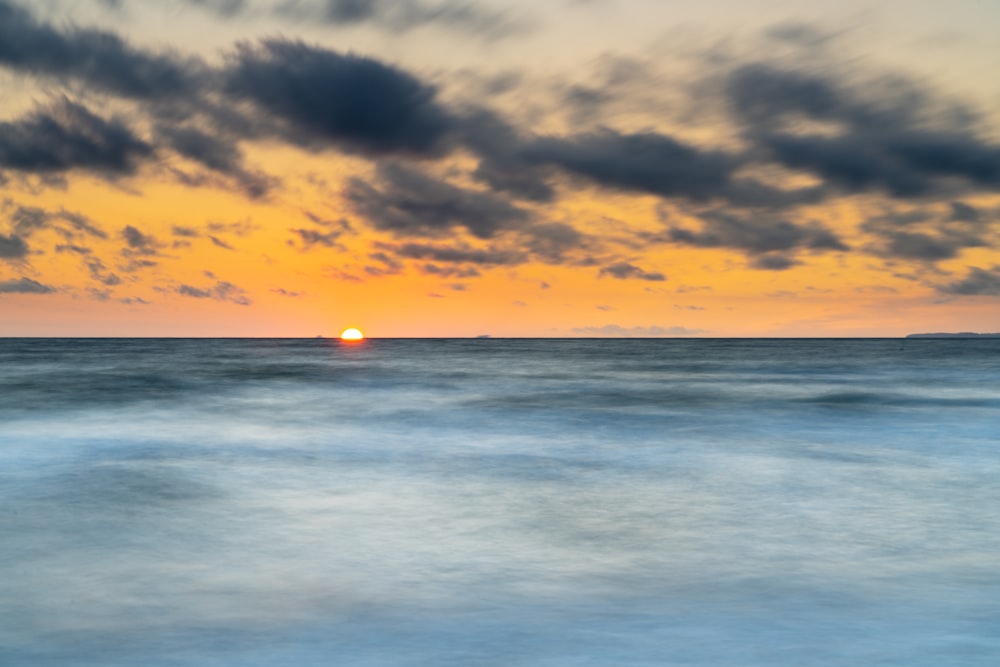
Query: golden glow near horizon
x: 623, y: 185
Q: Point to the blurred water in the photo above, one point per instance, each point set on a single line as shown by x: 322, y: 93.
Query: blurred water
x: 500, y: 502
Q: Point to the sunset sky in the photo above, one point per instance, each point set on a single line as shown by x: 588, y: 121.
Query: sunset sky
x: 464, y: 167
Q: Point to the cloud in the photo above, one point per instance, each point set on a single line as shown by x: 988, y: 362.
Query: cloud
x: 407, y: 202
x: 398, y: 16
x: 616, y: 331
x: 24, y: 286
x: 100, y: 59
x: 890, y: 136
x: 550, y: 240
x: 456, y: 254
x: 283, y: 292
x: 961, y: 211
x: 353, y: 102
x: 757, y: 234
x: 216, y: 241
x: 186, y: 232
x: 927, y: 235
x: 313, y: 237
x: 138, y: 243
x: 645, y: 162
x: 29, y: 219
x: 773, y: 262
x: 221, y: 291
x: 12, y: 247
x: 450, y: 271
x: 66, y: 135
x: 216, y: 151
x: 392, y: 16
x: 625, y: 271
x: 502, y: 165
x: 978, y: 282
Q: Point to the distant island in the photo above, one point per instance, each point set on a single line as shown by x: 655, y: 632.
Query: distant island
x: 962, y: 334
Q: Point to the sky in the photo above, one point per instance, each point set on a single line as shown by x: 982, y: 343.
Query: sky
x: 454, y: 168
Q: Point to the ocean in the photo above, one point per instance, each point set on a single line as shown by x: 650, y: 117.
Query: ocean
x: 535, y: 503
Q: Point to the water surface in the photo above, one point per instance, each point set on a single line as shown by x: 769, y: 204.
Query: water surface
x: 500, y: 502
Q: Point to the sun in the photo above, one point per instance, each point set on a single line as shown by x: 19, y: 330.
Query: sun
x: 352, y: 334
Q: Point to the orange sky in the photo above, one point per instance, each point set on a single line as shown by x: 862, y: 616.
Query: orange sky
x: 607, y: 169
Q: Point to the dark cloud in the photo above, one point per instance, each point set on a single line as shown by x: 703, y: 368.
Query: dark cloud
x: 217, y: 152
x: 757, y: 234
x: 978, y: 282
x: 240, y: 228
x: 195, y: 292
x: 356, y: 103
x: 450, y: 271
x: 342, y: 224
x: 773, y: 262
x: 876, y: 139
x: 13, y: 247
x: 139, y: 243
x: 962, y: 212
x: 645, y: 162
x: 216, y: 241
x: 908, y: 245
x: 187, y: 232
x: 80, y: 222
x: 502, y: 166
x: 626, y: 271
x: 393, y: 16
x: 65, y: 136
x: 314, y: 237
x: 399, y: 16
x: 386, y: 259
x: 458, y: 255
x: 29, y: 219
x: 409, y: 203
x: 927, y: 235
x: 24, y: 286
x: 550, y: 240
x: 101, y: 59
x: 79, y: 250
x: 221, y: 291
x: 98, y: 271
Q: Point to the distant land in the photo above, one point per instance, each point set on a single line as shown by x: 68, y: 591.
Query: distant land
x: 962, y: 334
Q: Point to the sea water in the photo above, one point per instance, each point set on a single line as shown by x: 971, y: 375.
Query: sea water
x: 500, y: 502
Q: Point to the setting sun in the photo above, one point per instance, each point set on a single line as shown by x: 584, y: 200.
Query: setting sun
x: 352, y: 335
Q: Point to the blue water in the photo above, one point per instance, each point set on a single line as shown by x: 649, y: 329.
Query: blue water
x: 500, y: 502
